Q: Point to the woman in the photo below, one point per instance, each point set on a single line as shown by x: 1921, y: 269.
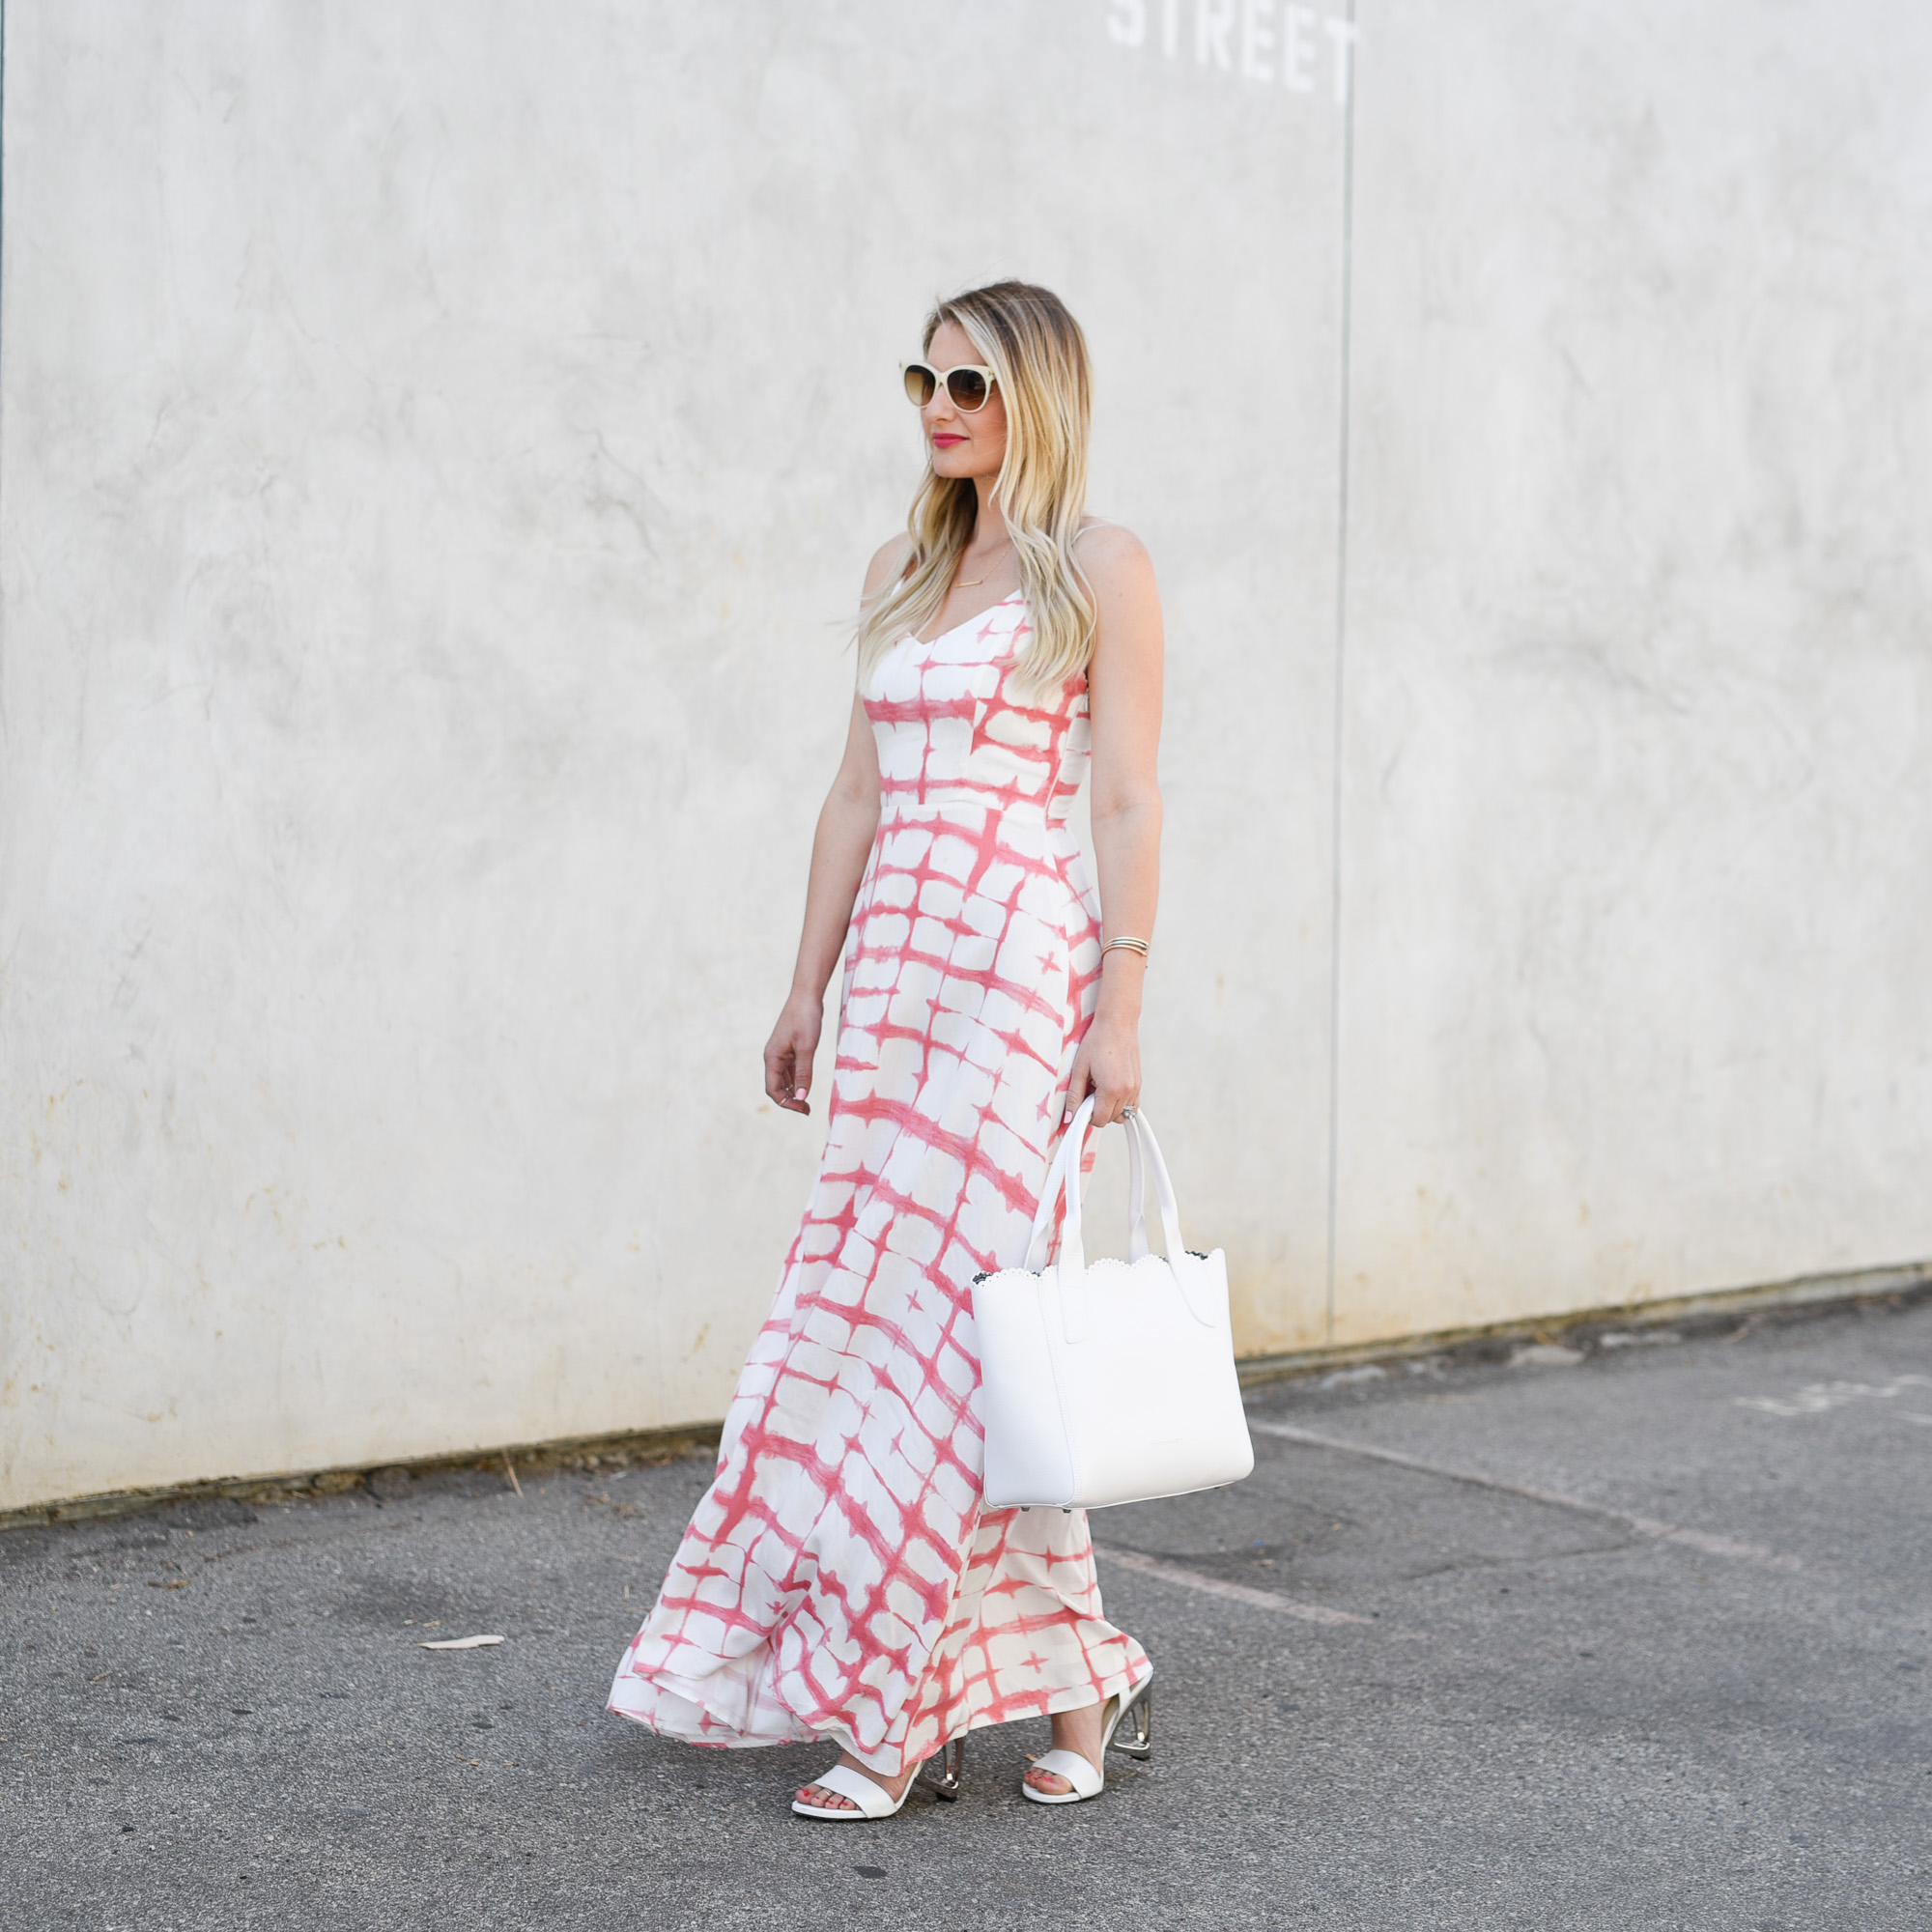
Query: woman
x: 841, y: 1580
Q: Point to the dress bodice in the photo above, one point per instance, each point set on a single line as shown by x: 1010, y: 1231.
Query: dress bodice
x: 950, y: 728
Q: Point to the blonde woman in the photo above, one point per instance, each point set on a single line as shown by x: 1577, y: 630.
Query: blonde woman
x: 841, y: 1580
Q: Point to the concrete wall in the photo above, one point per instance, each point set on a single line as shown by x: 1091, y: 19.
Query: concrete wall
x: 1636, y: 788
x: 438, y: 447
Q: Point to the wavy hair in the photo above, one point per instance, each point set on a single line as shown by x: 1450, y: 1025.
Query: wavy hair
x: 1035, y: 349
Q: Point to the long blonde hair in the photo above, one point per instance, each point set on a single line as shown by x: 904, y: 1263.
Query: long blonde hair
x: 1035, y: 347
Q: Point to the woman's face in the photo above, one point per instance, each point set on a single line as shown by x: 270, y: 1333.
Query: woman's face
x: 962, y: 444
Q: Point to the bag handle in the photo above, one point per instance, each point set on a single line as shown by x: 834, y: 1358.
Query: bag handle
x: 1056, y: 1174
x: 1189, y: 1278
x: 1143, y: 1144
x: 1063, y: 1177
x: 1036, y: 1245
x: 1136, y: 1242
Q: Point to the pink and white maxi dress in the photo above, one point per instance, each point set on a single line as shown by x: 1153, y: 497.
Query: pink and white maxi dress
x: 840, y: 1579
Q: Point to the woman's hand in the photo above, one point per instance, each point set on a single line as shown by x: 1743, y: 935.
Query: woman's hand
x: 1109, y: 1065
x: 790, y: 1050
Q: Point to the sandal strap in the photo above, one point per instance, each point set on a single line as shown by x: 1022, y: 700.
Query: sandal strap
x: 1072, y: 1766
x: 872, y: 1799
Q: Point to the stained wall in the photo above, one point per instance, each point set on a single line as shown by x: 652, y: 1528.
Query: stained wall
x: 439, y: 447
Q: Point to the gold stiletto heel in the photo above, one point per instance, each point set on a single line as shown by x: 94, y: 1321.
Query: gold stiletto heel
x: 1139, y: 1741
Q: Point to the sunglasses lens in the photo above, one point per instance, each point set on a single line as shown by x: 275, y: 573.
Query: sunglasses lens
x: 918, y: 384
x: 968, y: 389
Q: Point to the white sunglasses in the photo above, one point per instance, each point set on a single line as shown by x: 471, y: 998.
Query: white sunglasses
x: 968, y: 386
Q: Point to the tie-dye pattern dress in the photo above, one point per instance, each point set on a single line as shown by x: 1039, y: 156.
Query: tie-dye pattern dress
x: 840, y: 1579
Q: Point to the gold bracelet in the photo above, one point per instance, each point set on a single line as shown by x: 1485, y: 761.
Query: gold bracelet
x: 1139, y: 946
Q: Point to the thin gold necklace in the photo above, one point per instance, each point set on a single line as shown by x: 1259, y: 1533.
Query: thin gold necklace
x: 974, y: 583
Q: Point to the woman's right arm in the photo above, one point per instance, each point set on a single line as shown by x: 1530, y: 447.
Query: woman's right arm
x: 839, y: 849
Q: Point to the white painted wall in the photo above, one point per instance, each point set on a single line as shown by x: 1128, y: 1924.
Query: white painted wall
x: 1637, y: 823
x: 439, y: 446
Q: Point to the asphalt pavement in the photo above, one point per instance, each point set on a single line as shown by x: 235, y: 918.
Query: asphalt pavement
x: 1632, y: 1636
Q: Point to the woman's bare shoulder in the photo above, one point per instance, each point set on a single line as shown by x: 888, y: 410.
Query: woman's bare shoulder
x: 888, y: 565
x: 1111, y: 554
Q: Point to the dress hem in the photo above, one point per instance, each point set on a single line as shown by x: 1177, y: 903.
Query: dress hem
x: 1074, y: 1698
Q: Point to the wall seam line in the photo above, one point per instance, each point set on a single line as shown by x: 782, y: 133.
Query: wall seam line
x: 1340, y: 662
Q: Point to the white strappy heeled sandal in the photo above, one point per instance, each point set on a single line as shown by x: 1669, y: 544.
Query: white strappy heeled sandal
x: 1088, y: 1781
x: 873, y: 1800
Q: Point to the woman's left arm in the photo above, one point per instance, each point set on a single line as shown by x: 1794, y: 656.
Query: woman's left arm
x: 1124, y: 705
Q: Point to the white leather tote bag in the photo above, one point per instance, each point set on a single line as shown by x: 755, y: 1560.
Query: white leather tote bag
x: 1108, y: 1381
